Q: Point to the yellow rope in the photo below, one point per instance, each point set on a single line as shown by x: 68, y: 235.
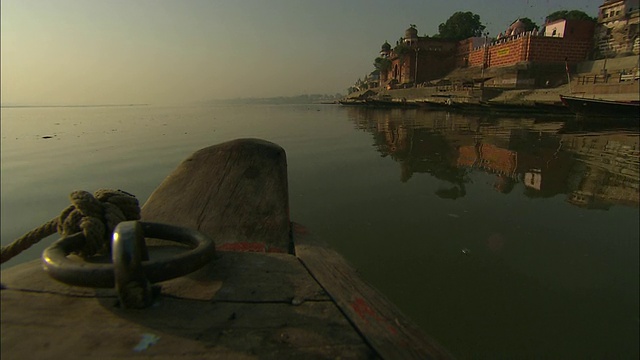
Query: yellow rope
x: 94, y: 215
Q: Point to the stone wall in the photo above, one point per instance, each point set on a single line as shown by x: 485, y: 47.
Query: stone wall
x: 608, y: 89
x: 526, y: 47
x: 629, y: 63
x: 549, y: 50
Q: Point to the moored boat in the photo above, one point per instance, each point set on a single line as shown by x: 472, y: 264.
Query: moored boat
x: 525, y: 108
x: 269, y: 290
x: 437, y: 105
x: 352, y: 102
x: 600, y: 107
x: 388, y: 102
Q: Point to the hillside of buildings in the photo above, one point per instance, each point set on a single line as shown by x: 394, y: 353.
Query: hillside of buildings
x: 596, y: 57
x: 587, y: 80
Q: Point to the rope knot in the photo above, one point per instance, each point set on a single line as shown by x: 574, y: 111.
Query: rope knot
x: 94, y: 215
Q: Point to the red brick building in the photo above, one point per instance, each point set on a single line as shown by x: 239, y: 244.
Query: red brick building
x: 417, y: 59
x: 572, y: 40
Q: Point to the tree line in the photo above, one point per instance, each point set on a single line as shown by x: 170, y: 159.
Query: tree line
x: 463, y: 25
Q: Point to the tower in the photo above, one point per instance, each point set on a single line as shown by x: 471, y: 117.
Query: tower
x: 385, y: 50
x: 411, y: 36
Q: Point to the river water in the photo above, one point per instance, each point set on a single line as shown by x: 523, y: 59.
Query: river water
x: 501, y: 236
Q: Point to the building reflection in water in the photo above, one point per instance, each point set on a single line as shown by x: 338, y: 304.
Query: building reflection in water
x: 593, y: 169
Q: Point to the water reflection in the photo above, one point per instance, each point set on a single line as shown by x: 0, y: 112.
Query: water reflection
x: 593, y: 166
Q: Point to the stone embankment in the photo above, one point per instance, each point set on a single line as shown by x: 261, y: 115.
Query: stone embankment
x: 509, y: 96
x: 612, y: 79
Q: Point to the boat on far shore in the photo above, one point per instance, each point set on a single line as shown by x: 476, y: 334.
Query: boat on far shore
x: 352, y: 102
x: 600, y: 107
x: 542, y: 108
x: 389, y: 102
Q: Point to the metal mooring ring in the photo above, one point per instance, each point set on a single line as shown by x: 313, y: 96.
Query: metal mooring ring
x: 131, y: 268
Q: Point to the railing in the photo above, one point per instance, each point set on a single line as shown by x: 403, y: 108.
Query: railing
x: 592, y: 79
x: 607, y: 78
x: 629, y: 77
x: 506, y: 39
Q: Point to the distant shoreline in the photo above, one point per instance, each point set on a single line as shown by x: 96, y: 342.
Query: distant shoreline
x: 69, y: 106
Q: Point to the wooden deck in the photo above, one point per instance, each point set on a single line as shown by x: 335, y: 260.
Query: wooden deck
x: 290, y: 297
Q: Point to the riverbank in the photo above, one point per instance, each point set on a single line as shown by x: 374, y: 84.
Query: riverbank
x: 507, y: 96
x: 613, y: 79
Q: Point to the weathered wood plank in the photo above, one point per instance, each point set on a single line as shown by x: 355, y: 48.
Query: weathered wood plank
x: 241, y: 277
x: 384, y: 327
x: 50, y: 326
x: 235, y: 192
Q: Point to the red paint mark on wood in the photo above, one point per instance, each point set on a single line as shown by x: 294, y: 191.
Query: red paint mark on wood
x: 392, y: 329
x: 243, y: 247
x: 363, y: 309
x: 249, y: 247
x: 366, y: 313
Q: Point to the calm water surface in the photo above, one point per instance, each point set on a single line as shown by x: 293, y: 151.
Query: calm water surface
x: 501, y: 237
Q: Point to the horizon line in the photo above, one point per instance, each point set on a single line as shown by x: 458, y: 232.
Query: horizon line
x: 92, y: 105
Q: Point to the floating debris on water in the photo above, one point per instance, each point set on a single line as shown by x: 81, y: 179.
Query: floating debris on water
x: 466, y: 251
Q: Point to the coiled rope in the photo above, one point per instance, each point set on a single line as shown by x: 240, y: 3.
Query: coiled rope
x: 94, y: 215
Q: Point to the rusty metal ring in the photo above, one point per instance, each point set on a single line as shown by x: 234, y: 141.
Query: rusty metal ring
x: 79, y: 273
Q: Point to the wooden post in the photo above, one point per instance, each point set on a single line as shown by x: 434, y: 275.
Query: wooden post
x: 566, y: 66
x: 235, y: 192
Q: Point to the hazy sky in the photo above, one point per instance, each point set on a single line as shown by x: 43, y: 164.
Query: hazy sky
x: 175, y: 51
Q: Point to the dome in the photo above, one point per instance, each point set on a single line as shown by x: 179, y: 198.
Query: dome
x: 517, y: 27
x: 411, y: 33
x: 386, y: 46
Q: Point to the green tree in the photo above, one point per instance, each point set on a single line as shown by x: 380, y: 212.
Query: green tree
x: 529, y: 25
x: 460, y: 26
x: 569, y: 15
x: 381, y: 64
x: 401, y: 50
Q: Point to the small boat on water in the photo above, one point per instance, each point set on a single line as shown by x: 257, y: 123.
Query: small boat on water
x: 436, y: 105
x: 525, y: 108
x: 352, y: 102
x: 268, y: 290
x: 449, y: 104
x: 599, y: 107
x: 383, y: 102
